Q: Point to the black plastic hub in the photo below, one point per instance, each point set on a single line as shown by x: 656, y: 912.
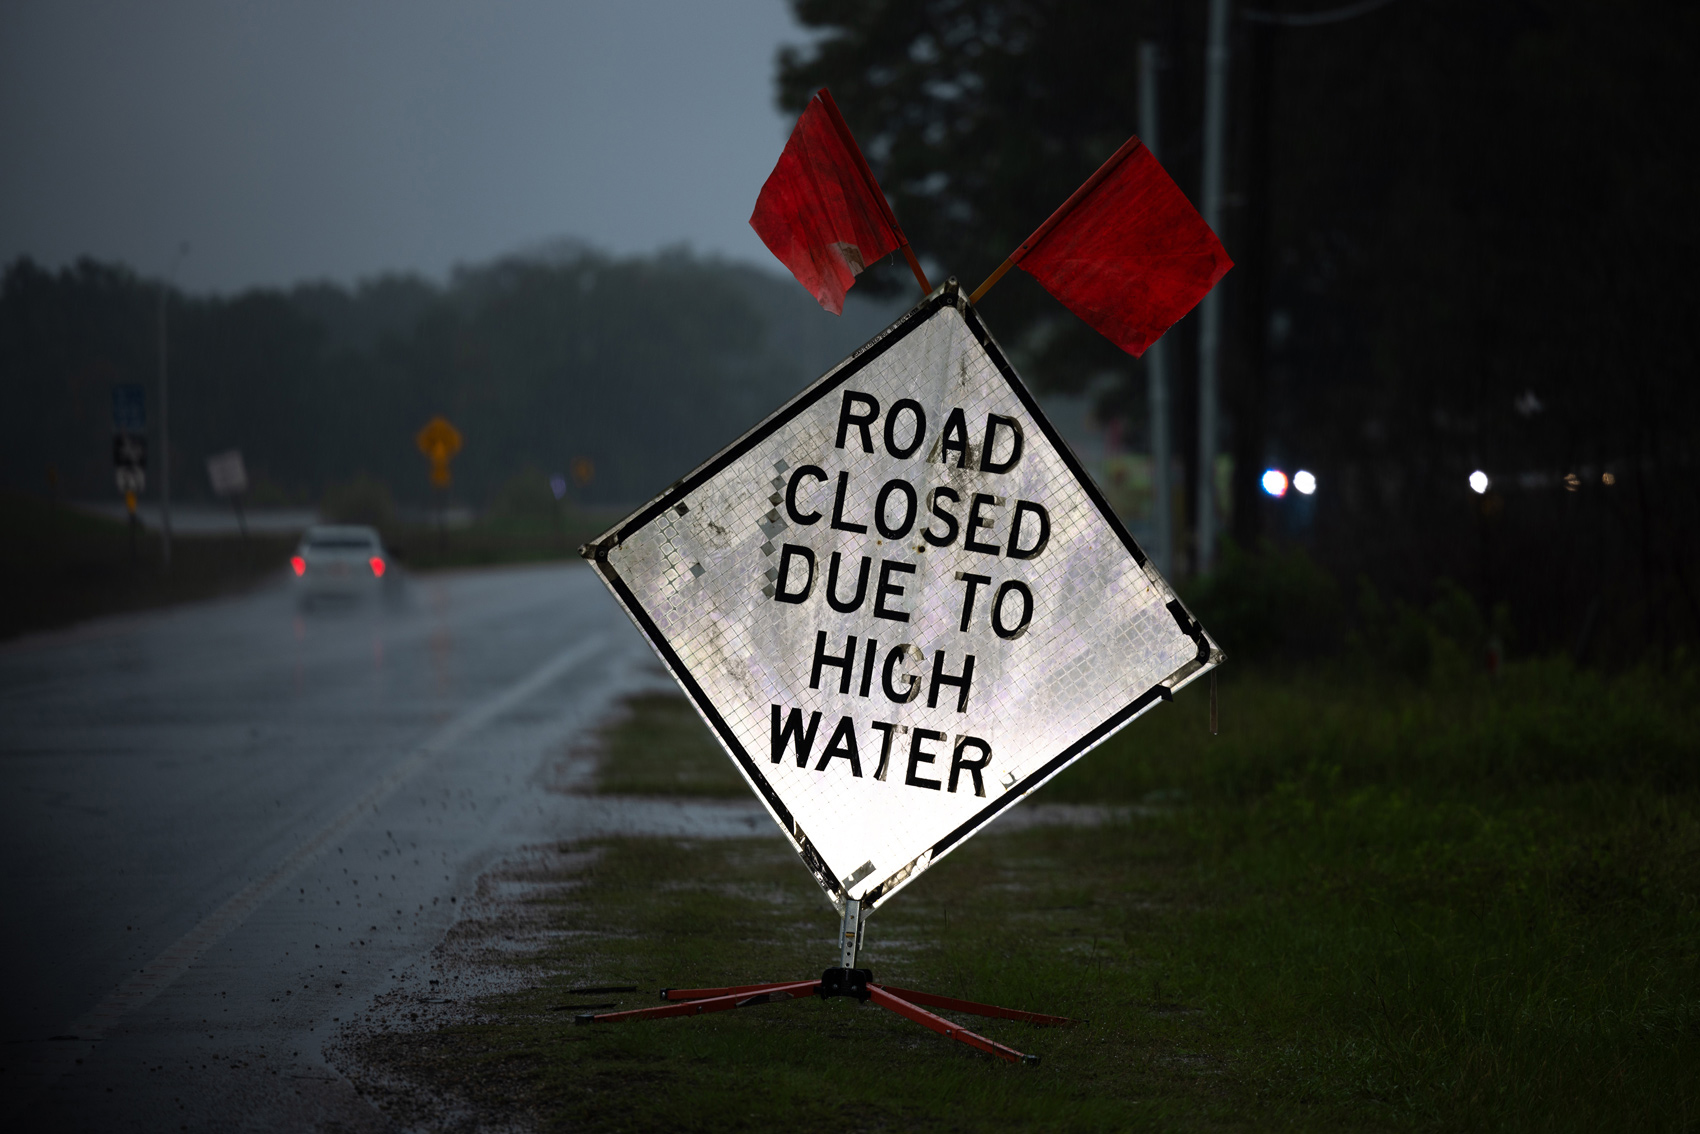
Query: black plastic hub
x: 845, y: 982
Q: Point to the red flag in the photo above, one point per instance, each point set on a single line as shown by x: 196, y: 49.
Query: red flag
x: 1127, y: 253
x: 821, y: 212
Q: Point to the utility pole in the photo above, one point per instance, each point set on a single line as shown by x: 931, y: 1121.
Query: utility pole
x: 165, y: 414
x: 1251, y: 399
x: 1210, y: 310
x: 1157, y: 358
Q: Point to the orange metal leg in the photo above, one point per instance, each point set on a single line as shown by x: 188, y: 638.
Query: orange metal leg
x: 905, y: 1002
x: 766, y: 994
x: 708, y: 993
x: 944, y: 1027
x: 955, y: 1005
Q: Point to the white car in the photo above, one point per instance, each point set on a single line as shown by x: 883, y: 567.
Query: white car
x: 340, y: 560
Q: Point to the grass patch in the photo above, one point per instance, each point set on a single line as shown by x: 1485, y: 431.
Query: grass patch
x: 494, y: 540
x: 1543, y: 730
x: 660, y: 747
x: 60, y: 566
x: 1375, y: 907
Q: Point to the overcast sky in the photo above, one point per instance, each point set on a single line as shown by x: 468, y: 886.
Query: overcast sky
x: 342, y: 138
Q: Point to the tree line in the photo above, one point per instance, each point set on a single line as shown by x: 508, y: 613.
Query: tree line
x: 644, y: 366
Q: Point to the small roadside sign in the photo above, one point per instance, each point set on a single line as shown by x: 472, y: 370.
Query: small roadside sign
x: 439, y: 441
x: 129, y: 441
x: 129, y: 408
x: 129, y: 451
x: 229, y: 476
x: 901, y: 604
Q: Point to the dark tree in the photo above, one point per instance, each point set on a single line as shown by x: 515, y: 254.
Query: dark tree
x: 646, y: 366
x: 1463, y: 233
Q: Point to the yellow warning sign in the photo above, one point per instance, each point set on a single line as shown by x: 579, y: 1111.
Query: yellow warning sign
x: 439, y: 441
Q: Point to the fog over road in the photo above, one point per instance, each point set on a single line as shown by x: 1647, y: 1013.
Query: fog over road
x: 225, y: 826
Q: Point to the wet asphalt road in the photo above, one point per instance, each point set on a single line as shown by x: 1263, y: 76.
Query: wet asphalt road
x: 226, y: 826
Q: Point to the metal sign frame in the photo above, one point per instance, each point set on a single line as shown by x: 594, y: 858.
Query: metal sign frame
x: 597, y: 551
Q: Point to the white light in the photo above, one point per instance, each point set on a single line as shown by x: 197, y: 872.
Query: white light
x: 1275, y: 482
x: 1305, y: 482
x: 1479, y: 481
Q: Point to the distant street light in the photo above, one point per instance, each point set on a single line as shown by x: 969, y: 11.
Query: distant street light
x: 1479, y: 482
x: 165, y: 413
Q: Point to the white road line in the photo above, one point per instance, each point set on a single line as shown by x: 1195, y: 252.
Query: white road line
x: 159, y: 973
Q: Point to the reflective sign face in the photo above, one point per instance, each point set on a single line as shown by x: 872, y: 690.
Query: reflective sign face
x: 228, y: 473
x: 900, y: 603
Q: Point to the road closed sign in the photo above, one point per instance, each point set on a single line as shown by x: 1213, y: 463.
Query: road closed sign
x: 900, y: 603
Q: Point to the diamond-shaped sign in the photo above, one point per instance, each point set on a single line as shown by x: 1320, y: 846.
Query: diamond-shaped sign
x: 900, y: 603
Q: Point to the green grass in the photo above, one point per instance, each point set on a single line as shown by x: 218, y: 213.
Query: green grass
x: 60, y: 566
x: 497, y: 540
x: 1542, y: 729
x: 1471, y: 906
x: 660, y: 747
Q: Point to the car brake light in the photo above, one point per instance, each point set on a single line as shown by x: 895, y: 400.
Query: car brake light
x: 299, y: 564
x: 377, y: 567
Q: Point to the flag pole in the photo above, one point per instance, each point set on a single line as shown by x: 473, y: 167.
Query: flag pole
x: 849, y: 141
x: 990, y: 280
x: 1079, y: 195
x: 915, y: 266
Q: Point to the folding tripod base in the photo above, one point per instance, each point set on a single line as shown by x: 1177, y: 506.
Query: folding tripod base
x: 855, y: 983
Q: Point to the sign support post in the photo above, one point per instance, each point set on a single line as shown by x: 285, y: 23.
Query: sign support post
x: 130, y: 452
x: 134, y: 525
x: 850, y: 935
